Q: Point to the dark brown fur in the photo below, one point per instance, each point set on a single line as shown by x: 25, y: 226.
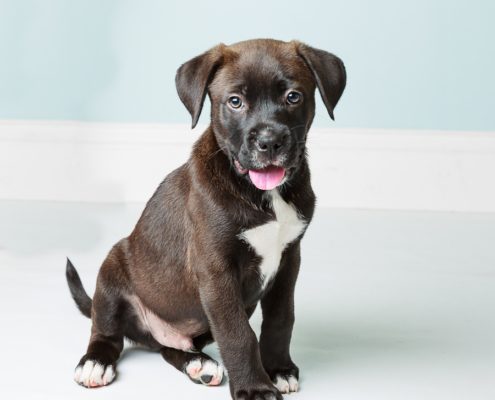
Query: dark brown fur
x: 184, y: 259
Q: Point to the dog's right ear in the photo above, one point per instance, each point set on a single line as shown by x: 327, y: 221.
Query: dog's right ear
x: 193, y: 77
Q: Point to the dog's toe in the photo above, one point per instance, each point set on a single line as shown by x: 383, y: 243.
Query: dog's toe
x: 205, y: 371
x: 93, y: 374
x: 286, y: 384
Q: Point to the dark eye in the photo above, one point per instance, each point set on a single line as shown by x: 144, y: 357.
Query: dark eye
x: 294, y: 97
x: 235, y: 101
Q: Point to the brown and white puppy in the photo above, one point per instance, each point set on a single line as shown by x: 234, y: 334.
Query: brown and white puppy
x: 222, y: 232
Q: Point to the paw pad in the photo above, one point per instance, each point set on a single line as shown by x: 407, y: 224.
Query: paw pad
x: 205, y: 371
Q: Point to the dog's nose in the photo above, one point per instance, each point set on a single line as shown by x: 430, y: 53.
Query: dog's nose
x: 268, y: 141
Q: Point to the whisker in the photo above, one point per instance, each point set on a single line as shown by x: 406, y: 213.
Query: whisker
x: 216, y: 152
x: 297, y: 126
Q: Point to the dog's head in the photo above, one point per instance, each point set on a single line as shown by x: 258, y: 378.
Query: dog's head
x: 262, y: 102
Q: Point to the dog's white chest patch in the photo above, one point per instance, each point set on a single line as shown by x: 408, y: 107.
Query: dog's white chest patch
x: 269, y: 240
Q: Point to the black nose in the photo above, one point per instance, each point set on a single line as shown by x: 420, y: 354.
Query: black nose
x: 270, y: 141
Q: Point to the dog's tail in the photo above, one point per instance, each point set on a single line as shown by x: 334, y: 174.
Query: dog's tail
x: 83, y: 301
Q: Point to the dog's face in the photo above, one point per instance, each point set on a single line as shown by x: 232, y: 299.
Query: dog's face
x: 262, y: 96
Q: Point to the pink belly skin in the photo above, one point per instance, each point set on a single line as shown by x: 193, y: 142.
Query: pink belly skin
x: 163, y: 332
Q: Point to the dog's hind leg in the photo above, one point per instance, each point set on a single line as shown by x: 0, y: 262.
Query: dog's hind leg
x: 198, y: 366
x: 97, y: 367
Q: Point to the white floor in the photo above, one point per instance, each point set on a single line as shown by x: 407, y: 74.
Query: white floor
x: 390, y: 305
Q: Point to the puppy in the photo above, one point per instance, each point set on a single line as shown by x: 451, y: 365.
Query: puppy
x: 223, y: 231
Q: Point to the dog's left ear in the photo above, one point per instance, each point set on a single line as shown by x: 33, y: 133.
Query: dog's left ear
x: 328, y: 71
x: 193, y: 77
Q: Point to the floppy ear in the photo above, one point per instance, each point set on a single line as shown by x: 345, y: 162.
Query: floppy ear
x: 328, y: 71
x: 192, y: 79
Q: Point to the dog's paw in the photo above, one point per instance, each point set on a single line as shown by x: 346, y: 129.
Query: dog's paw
x: 93, y: 374
x: 205, y: 371
x: 286, y: 383
x: 284, y: 376
x: 258, y: 393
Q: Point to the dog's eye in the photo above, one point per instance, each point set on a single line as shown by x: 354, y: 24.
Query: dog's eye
x: 294, y: 97
x: 235, y: 101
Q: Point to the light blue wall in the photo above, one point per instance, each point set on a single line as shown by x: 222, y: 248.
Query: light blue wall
x: 411, y: 64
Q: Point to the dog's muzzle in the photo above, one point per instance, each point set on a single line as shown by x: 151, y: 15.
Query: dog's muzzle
x: 268, y: 152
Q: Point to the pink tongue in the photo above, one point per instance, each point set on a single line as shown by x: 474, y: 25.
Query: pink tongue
x: 267, y: 178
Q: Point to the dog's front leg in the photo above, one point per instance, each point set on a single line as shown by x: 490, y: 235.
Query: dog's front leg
x: 278, y: 319
x: 222, y: 301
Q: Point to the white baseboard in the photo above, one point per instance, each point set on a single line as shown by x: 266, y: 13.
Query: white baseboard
x: 351, y: 168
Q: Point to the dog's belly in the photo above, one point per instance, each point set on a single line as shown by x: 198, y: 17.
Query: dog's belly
x: 178, y: 335
x: 269, y: 240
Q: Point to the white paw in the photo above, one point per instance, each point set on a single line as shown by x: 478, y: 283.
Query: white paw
x: 92, y: 374
x: 207, y: 372
x: 286, y: 384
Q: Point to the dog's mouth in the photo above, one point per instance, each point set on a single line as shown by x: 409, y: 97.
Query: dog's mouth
x: 266, y: 178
